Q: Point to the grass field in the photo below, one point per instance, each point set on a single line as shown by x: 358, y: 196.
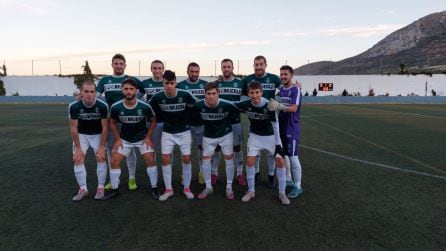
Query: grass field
x: 396, y: 200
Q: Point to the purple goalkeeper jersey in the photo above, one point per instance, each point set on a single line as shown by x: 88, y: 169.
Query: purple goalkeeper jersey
x: 289, y: 122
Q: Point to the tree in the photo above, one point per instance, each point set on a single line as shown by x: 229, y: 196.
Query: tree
x: 2, y: 88
x: 86, y: 75
x: 4, y: 70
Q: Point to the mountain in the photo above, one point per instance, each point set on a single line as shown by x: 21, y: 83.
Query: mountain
x: 419, y: 47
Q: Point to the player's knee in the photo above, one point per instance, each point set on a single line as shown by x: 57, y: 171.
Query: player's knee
x: 250, y: 161
x: 279, y: 162
x: 148, y: 158
x: 228, y: 157
x: 185, y: 159
x: 166, y: 159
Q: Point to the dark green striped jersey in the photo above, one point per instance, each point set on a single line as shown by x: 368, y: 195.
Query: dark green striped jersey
x: 133, y: 119
x: 197, y: 90
x: 217, y: 120
x: 260, y: 117
x: 111, y: 87
x: 150, y: 87
x: 270, y: 83
x: 231, y: 90
x: 88, y: 117
x: 173, y: 110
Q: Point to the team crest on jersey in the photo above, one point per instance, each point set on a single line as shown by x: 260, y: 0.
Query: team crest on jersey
x: 267, y: 80
x: 249, y: 109
x: 265, y: 111
x: 150, y: 85
x: 202, y: 110
x: 201, y: 86
x: 139, y: 112
x: 122, y: 113
x: 186, y: 87
x: 180, y: 100
x: 235, y: 84
x: 97, y: 109
x: 81, y: 111
x: 109, y: 81
x: 163, y: 101
x: 220, y: 110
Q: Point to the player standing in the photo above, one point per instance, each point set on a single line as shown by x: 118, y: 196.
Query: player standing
x: 88, y: 127
x: 133, y: 114
x: 270, y: 83
x: 110, y: 86
x: 261, y: 138
x: 172, y: 104
x: 195, y: 86
x: 289, y: 122
x: 216, y: 114
x: 230, y: 88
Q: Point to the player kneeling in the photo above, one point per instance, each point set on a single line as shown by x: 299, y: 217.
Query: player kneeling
x: 133, y: 115
x: 88, y: 127
x: 261, y: 138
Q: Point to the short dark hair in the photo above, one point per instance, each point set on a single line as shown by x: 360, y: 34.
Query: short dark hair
x: 210, y: 86
x: 255, y: 85
x: 130, y: 82
x: 227, y: 60
x: 118, y: 56
x: 287, y: 67
x: 88, y: 82
x: 192, y: 64
x: 169, y: 75
x: 260, y: 57
x: 156, y: 61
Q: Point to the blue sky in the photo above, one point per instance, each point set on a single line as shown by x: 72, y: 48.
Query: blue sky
x: 177, y: 32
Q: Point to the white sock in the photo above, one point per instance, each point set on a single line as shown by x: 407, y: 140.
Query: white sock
x: 131, y: 163
x: 152, y: 172
x: 258, y: 164
x: 281, y: 177
x: 229, y: 172
x: 297, y: 170
x: 287, y: 168
x: 81, y: 176
x: 250, y: 173
x: 207, y: 172
x: 187, y: 174
x: 200, y: 160
x: 215, y: 162
x: 101, y: 171
x: 114, y: 178
x: 167, y: 176
x: 271, y: 165
x: 238, y: 159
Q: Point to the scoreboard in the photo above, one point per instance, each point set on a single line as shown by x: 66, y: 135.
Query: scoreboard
x: 325, y: 87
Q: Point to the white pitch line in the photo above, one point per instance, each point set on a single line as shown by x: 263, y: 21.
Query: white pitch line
x: 374, y: 163
x: 404, y: 113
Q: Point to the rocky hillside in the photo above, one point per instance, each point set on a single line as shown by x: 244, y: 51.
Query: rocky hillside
x: 418, y: 47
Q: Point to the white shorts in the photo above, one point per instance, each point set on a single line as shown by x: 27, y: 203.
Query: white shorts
x: 225, y: 142
x: 238, y: 135
x: 257, y: 144
x: 127, y: 147
x: 182, y: 139
x: 88, y: 141
x: 276, y: 132
x: 156, y: 135
x: 197, y: 134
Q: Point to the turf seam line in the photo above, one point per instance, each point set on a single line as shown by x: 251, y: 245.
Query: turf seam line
x: 404, y: 113
x: 374, y: 163
x: 381, y: 147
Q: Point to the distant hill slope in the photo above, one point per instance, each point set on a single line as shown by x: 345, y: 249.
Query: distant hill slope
x: 420, y: 47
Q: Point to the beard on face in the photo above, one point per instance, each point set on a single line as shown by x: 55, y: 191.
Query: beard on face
x: 130, y: 96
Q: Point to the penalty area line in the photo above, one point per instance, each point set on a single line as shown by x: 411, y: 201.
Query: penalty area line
x: 374, y: 163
